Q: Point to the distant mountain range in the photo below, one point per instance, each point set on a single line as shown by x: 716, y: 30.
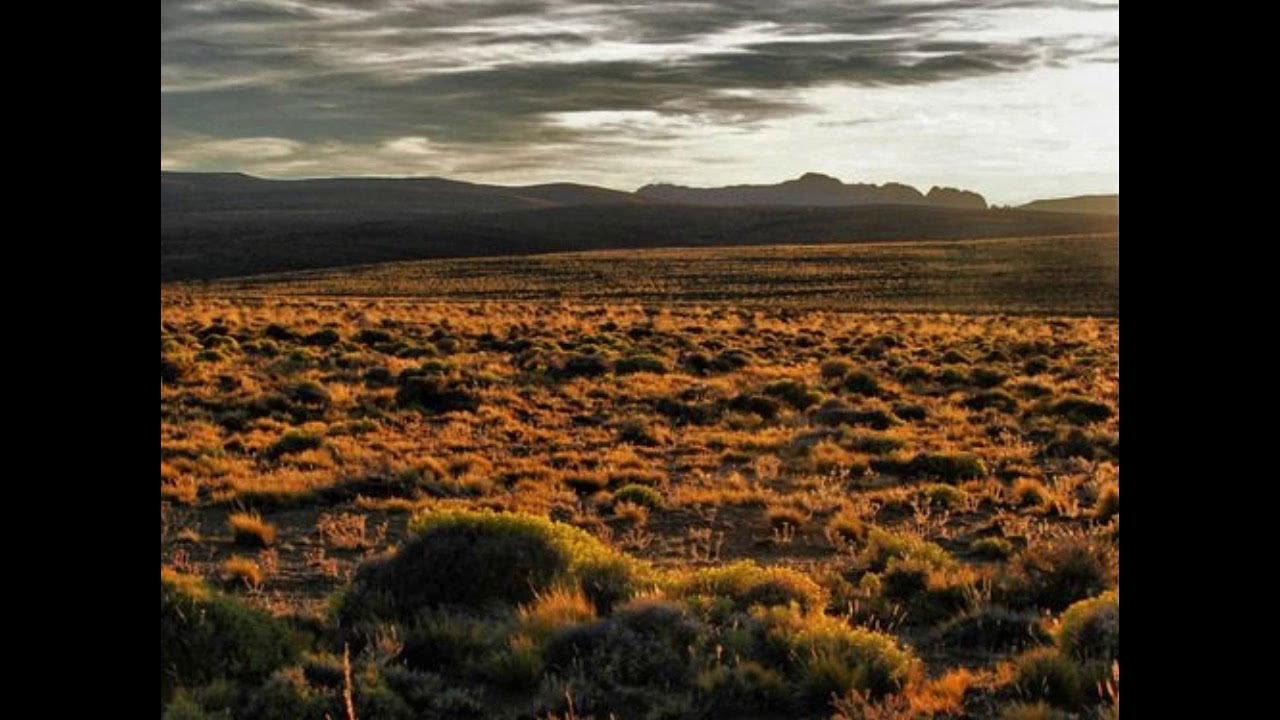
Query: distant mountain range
x: 1095, y: 204
x: 813, y: 190
x: 229, y: 224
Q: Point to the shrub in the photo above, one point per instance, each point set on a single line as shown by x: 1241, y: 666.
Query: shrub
x: 825, y: 655
x: 994, y: 629
x: 794, y: 393
x: 434, y: 395
x: 1081, y: 410
x: 638, y: 494
x: 250, y: 530
x: 639, y: 431
x: 835, y: 369
x: 836, y: 413
x: 322, y: 338
x: 293, y: 442
x: 910, y: 411
x: 883, y: 546
x: 991, y: 548
x: 474, y: 558
x: 1043, y: 673
x: 586, y: 483
x: 998, y: 399
x: 640, y: 363
x: 309, y: 393
x: 1058, y: 572
x: 913, y: 374
x: 372, y: 336
x: 747, y: 584
x: 949, y: 466
x: 240, y: 570
x: 1028, y: 492
x: 766, y: 407
x: 576, y: 366
x: 847, y: 527
x: 984, y: 377
x: 861, y: 382
x: 206, y: 635
x: 1090, y: 629
x: 948, y: 496
x: 553, y: 611
x: 637, y: 659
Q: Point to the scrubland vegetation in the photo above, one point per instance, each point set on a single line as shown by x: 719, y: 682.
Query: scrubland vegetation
x: 575, y: 510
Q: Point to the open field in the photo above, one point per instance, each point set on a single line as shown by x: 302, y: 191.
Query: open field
x: 1075, y: 275
x: 624, y: 502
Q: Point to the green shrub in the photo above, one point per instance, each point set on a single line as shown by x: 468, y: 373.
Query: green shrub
x: 991, y: 548
x: 638, y: 494
x: 1044, y: 674
x: 883, y: 546
x: 206, y: 635
x: 826, y: 655
x: 475, y: 558
x: 947, y: 496
x: 747, y: 584
x: 1090, y: 629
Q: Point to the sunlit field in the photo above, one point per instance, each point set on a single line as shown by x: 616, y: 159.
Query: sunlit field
x: 640, y: 500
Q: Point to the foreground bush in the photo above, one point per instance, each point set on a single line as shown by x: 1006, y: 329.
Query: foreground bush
x: 475, y: 558
x: 745, y: 584
x: 206, y: 635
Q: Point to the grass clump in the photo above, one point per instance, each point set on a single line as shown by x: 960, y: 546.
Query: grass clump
x: 948, y: 466
x: 744, y: 584
x: 826, y: 655
x: 642, y: 495
x: 1081, y: 410
x: 240, y: 570
x: 294, y: 442
x: 640, y: 364
x: 250, y: 530
x: 478, y: 558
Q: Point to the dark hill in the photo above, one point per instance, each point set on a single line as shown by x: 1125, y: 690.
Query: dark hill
x: 1095, y: 204
x: 811, y: 190
x: 232, y: 230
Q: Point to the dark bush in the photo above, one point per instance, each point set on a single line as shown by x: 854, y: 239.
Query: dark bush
x: 640, y: 363
x: 322, y: 338
x: 206, y: 635
x: 998, y: 399
x: 794, y: 393
x: 1081, y: 410
x: 434, y: 395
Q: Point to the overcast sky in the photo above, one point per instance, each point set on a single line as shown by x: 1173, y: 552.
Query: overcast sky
x: 1016, y: 100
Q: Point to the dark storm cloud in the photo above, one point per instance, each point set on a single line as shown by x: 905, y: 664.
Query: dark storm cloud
x: 502, y: 73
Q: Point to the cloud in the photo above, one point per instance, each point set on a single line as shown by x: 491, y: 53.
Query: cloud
x: 520, y: 76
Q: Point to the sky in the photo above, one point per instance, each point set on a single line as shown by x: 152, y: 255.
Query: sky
x: 1014, y: 99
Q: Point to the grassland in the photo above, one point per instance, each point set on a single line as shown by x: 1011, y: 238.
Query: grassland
x: 1076, y: 275
x: 617, y: 504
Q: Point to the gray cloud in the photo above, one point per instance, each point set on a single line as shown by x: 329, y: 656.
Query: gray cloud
x: 504, y: 75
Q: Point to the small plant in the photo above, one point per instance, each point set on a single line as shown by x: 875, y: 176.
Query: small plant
x: 1030, y: 493
x: 250, y: 530
x: 240, y: 570
x: 1108, y: 504
x: 638, y: 494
